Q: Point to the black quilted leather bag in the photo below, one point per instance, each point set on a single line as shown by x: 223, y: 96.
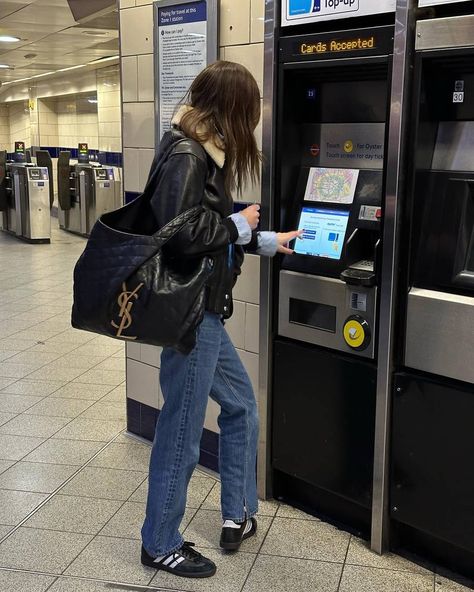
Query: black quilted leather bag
x: 126, y: 287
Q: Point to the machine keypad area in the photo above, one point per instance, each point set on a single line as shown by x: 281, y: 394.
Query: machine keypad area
x: 364, y: 265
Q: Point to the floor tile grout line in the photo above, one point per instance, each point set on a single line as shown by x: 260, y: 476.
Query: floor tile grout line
x: 365, y: 566
x: 42, y: 380
x: 95, y: 536
x: 86, y: 579
x: 51, y: 495
x: 344, y: 563
x: 95, y: 466
x: 38, y: 342
x: 42, y: 398
x: 34, y: 415
x: 44, y: 439
x: 122, y: 505
x: 258, y: 554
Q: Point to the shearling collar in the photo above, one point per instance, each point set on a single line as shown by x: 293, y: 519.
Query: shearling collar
x: 215, y: 152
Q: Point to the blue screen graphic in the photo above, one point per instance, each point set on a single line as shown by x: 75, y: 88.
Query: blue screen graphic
x: 299, y: 7
x: 324, y: 232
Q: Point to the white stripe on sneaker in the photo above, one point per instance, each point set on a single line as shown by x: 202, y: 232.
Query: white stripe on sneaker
x: 177, y: 562
x: 169, y: 559
x: 248, y: 527
x: 231, y: 524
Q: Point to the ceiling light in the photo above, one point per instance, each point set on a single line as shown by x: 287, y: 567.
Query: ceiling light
x: 8, y: 39
x: 99, y: 60
x: 6, y: 67
x: 95, y: 33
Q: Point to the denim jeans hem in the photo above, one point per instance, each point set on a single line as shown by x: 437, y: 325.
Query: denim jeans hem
x: 241, y: 519
x: 163, y: 554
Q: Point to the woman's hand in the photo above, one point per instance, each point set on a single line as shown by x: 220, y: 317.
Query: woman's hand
x: 284, y: 238
x: 252, y: 215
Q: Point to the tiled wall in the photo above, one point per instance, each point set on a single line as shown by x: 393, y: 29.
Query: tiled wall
x: 108, y: 109
x: 4, y: 128
x: 19, y: 124
x: 241, y: 40
x: 55, y: 120
x: 75, y: 125
x: 48, y: 122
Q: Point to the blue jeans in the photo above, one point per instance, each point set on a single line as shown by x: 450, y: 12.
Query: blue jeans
x: 213, y: 369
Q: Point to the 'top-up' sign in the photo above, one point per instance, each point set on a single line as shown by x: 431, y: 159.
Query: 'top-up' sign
x: 296, y: 12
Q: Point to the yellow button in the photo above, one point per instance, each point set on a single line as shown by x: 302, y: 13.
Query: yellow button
x: 354, y: 333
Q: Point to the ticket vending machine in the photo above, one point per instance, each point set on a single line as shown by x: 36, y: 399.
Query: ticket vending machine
x: 333, y: 103
x: 29, y: 213
x: 25, y: 199
x: 86, y: 190
x: 432, y: 493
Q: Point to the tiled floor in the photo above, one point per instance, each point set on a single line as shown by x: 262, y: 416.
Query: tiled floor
x: 73, y: 486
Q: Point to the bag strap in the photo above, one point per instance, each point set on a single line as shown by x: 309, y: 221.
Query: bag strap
x: 154, y: 174
x: 174, y: 226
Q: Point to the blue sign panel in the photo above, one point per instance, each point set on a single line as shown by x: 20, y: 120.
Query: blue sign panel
x: 193, y: 12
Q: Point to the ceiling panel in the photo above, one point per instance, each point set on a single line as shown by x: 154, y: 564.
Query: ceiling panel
x: 42, y: 14
x: 62, y: 3
x: 10, y: 6
x: 27, y: 31
x: 47, y: 29
x: 96, y: 37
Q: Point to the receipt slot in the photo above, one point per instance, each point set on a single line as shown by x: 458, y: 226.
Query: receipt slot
x: 333, y: 102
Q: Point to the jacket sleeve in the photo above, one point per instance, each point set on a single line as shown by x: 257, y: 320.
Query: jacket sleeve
x: 180, y: 186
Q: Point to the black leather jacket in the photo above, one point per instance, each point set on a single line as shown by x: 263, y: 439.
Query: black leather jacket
x: 188, y: 177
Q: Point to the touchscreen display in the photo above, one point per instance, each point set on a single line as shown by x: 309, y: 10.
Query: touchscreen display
x: 324, y: 232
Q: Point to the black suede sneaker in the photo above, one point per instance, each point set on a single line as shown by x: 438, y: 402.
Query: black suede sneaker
x: 185, y: 562
x: 233, y: 533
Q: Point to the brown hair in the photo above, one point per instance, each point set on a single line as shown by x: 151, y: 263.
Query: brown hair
x: 226, y: 110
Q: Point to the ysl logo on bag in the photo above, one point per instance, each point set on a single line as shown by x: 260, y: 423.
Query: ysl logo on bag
x: 126, y: 300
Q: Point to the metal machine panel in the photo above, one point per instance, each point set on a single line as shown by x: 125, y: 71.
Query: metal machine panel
x: 437, y: 322
x: 445, y: 33
x: 432, y: 445
x: 423, y: 3
x: 37, y: 211
x: 15, y: 214
x: 314, y: 309
x: 83, y: 203
x: 454, y: 146
x: 323, y: 420
x: 105, y: 194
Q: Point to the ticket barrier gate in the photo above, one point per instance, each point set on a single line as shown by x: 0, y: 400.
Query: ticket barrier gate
x: 432, y: 493
x: 85, y: 192
x: 331, y: 126
x: 25, y: 200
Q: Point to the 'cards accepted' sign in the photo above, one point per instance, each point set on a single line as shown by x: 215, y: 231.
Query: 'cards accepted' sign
x: 295, y: 12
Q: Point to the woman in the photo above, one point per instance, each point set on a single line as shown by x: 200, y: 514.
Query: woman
x: 210, y: 152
